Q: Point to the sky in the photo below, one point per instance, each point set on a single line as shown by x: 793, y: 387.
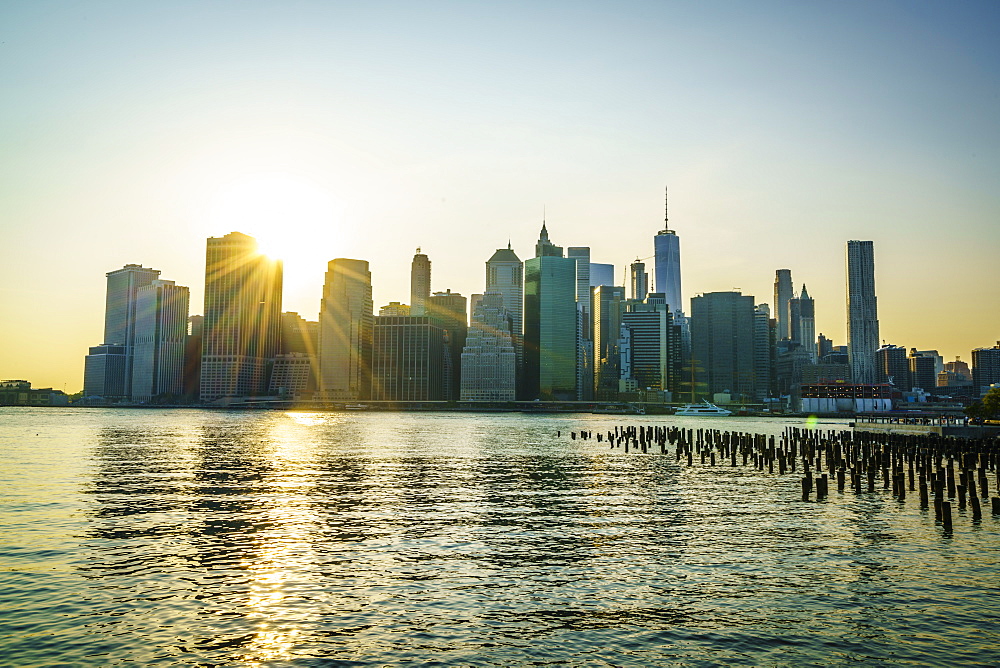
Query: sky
x: 132, y: 131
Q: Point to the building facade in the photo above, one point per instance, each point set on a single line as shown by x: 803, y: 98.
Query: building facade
x: 985, y: 368
x: 242, y: 325
x: 722, y: 342
x: 409, y: 359
x: 782, y: 296
x: 420, y: 282
x: 346, y: 322
x: 161, y: 324
x: 489, y: 363
x: 862, y: 311
x: 550, y: 325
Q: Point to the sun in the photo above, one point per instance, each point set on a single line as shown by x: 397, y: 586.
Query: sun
x: 291, y: 217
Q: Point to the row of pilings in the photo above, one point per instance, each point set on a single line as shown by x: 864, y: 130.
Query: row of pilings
x: 940, y: 470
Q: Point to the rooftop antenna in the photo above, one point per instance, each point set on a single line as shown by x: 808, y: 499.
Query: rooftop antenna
x: 666, y: 201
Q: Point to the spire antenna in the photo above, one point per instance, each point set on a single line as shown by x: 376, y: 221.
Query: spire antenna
x: 666, y: 201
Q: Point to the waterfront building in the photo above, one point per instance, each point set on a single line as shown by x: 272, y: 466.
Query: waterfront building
x: 601, y: 274
x: 450, y: 309
x: 104, y: 372
x: 608, y: 306
x: 827, y: 398
x: 102, y: 375
x: 410, y: 359
x: 892, y: 367
x: 862, y: 311
x: 394, y: 309
x: 782, y: 296
x: 161, y: 322
x: 639, y: 280
x: 653, y: 342
x: 293, y: 376
x: 667, y: 263
x: 345, y: 331
x: 489, y: 363
x: 242, y: 326
x: 985, y: 368
x: 550, y: 324
x: 20, y: 393
x: 722, y: 333
x: 420, y: 282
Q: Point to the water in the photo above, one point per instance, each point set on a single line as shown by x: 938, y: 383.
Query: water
x: 186, y: 537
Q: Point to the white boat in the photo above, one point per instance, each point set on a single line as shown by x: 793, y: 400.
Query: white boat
x: 704, y: 409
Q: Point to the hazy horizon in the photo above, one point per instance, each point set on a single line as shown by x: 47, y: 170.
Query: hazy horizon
x: 133, y: 132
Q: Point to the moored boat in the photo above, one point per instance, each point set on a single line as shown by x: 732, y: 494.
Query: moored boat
x: 704, y: 409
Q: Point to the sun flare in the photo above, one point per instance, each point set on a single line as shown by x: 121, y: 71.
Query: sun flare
x: 288, y: 215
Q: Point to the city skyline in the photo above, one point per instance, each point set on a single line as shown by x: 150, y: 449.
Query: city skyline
x: 135, y: 133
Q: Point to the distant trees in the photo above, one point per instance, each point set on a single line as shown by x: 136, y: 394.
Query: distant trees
x: 986, y: 408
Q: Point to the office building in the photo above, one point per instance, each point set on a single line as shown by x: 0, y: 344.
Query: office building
x: 764, y: 351
x: 639, y: 281
x: 601, y: 274
x: 346, y: 320
x: 653, y: 345
x: 505, y: 274
x: 294, y: 376
x: 192, y: 357
x: 394, y: 309
x: 420, y: 283
x: 544, y: 247
x: 161, y: 322
x: 667, y: 263
x: 892, y: 367
x: 242, y: 326
x: 722, y: 342
x: 488, y: 359
x: 550, y: 324
x: 409, y: 359
x: 608, y: 303
x: 109, y: 373
x: 985, y: 368
x: 802, y: 321
x: 922, y: 369
x: 782, y: 296
x: 862, y: 311
x: 450, y: 309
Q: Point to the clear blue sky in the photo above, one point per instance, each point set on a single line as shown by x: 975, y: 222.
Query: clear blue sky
x: 130, y: 132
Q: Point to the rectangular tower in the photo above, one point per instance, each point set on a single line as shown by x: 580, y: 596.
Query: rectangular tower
x: 722, y: 342
x: 550, y: 328
x: 346, y: 320
x: 862, y: 311
x: 161, y: 323
x: 242, y: 325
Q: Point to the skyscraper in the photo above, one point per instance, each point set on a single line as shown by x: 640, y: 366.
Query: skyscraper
x: 161, y: 319
x: 242, y: 326
x: 544, y: 247
x: 449, y: 309
x: 607, y: 322
x: 550, y: 324
x: 108, y: 369
x: 782, y: 295
x: 505, y: 274
x: 654, y: 344
x: 803, y: 321
x: 639, y: 280
x: 601, y: 274
x: 985, y: 368
x: 892, y: 367
x: 409, y: 361
x: 667, y: 263
x: 862, y: 311
x: 722, y: 341
x: 346, y: 320
x: 420, y: 283
x: 488, y: 360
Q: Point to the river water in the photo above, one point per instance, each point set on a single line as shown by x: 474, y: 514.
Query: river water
x: 200, y: 537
